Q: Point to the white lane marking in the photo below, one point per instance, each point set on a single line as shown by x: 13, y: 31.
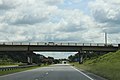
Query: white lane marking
x: 83, y: 73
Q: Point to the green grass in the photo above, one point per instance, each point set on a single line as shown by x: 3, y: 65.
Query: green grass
x: 107, y: 66
x: 9, y: 64
x: 19, y: 70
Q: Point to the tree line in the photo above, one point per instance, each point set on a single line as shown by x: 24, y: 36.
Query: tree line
x: 21, y: 57
x: 86, y: 56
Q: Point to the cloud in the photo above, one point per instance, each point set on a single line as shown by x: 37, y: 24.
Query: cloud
x: 113, y: 1
x: 6, y: 4
x: 73, y: 21
x: 38, y: 25
x: 54, y: 2
x: 30, y: 19
x: 23, y: 14
x: 107, y: 14
x: 45, y: 20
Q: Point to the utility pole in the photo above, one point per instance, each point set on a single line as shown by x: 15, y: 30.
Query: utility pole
x: 105, y: 38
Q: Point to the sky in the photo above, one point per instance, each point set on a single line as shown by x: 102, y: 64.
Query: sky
x: 83, y: 21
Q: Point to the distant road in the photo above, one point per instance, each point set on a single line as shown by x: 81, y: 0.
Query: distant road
x: 54, y: 72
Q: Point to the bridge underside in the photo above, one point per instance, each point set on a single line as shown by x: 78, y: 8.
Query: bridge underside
x: 47, y: 48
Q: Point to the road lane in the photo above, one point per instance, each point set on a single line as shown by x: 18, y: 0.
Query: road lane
x: 53, y: 72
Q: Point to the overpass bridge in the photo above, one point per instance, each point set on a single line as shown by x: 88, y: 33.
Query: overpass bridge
x: 58, y: 47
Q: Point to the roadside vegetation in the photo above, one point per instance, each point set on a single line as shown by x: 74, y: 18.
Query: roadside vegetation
x: 18, y: 58
x: 15, y: 58
x: 9, y: 59
x: 8, y: 62
x: 107, y: 66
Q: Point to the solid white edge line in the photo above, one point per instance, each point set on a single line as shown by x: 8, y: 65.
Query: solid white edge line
x: 83, y: 73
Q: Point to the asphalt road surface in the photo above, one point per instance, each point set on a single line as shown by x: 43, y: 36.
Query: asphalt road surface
x: 53, y: 72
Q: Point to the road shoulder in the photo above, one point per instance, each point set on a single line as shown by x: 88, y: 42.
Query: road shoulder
x: 92, y: 75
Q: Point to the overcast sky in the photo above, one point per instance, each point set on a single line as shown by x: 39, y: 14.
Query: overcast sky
x: 59, y: 20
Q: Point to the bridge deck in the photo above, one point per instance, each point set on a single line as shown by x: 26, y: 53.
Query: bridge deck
x: 59, y: 47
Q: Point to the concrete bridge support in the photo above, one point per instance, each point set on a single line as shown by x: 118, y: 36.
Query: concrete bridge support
x: 29, y: 57
x: 119, y: 46
x: 80, y: 57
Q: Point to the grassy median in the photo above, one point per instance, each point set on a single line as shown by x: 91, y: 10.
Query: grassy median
x: 107, y: 66
x: 19, y: 70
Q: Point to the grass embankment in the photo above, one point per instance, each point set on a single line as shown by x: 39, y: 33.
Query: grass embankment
x: 19, y: 70
x: 107, y: 66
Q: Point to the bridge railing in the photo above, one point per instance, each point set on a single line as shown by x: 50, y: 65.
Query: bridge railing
x: 57, y: 44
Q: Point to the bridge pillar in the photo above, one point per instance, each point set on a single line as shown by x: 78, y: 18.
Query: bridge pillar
x: 29, y: 57
x: 80, y: 57
x: 119, y: 46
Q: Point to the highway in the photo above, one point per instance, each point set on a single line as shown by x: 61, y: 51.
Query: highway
x: 53, y: 72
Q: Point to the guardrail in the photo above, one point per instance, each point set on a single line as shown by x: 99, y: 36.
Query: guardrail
x: 16, y: 67
x: 57, y: 44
